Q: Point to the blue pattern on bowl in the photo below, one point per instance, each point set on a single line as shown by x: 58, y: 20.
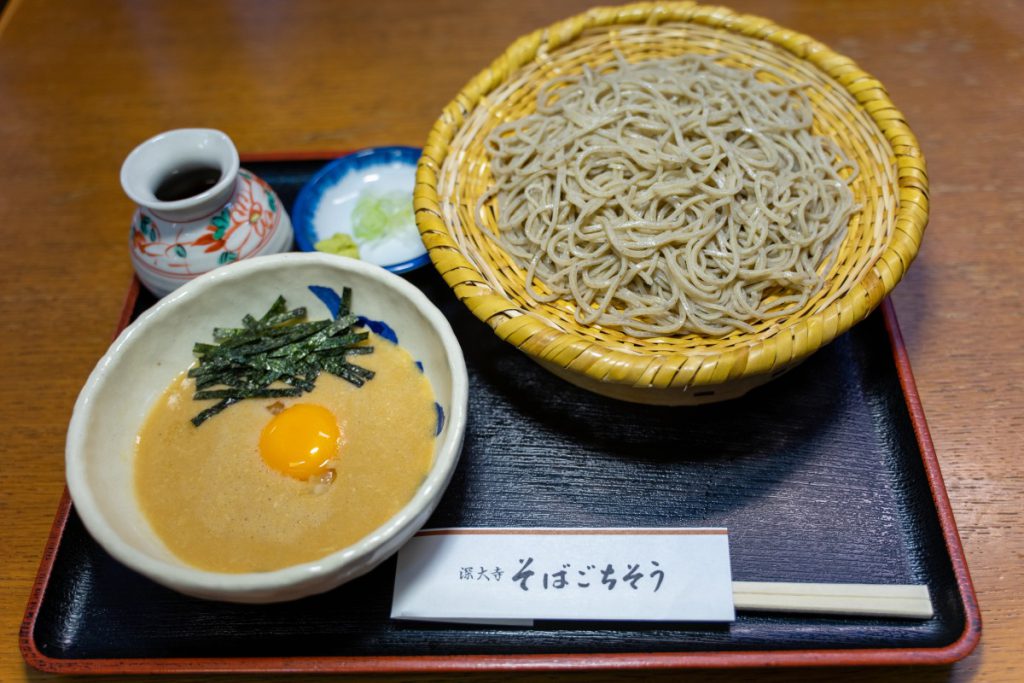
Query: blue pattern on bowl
x: 380, y: 328
x: 440, y: 418
x: 330, y: 298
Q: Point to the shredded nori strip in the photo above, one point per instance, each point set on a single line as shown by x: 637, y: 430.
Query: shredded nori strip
x: 277, y: 355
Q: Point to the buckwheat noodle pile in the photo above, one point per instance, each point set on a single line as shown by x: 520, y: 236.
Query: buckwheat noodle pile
x: 670, y: 196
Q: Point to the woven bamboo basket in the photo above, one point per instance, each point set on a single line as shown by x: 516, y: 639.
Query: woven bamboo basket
x: 849, y: 106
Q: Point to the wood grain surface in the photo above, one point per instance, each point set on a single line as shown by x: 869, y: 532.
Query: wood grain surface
x: 81, y: 83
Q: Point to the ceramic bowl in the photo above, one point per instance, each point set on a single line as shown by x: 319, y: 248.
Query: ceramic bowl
x: 148, y: 354
x: 367, y: 196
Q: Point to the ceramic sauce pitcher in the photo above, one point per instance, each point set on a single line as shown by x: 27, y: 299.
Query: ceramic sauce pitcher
x: 197, y: 209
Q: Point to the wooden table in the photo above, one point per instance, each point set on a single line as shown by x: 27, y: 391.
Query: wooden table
x: 82, y: 82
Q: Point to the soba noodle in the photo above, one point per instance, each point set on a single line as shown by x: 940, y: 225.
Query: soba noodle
x: 670, y: 196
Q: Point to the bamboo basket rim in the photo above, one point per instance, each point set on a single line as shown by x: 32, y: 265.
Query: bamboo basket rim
x: 661, y: 367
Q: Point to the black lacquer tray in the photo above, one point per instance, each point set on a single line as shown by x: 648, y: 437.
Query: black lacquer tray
x: 826, y: 474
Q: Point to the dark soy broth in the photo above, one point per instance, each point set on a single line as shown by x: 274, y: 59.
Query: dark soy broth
x: 187, y: 181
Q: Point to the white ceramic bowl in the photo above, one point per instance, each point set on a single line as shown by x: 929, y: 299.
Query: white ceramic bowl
x: 148, y: 354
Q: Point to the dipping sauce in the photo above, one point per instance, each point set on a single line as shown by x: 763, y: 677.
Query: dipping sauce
x: 182, y: 183
x: 213, y: 499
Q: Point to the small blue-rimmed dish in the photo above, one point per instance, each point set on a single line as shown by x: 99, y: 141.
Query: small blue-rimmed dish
x: 366, y: 195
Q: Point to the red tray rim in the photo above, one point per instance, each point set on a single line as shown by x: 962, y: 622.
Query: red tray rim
x: 948, y: 654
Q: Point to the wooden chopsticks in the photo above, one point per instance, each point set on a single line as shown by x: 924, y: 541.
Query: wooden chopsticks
x: 883, y: 600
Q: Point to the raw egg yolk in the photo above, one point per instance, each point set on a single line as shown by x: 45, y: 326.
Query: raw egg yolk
x: 299, y: 441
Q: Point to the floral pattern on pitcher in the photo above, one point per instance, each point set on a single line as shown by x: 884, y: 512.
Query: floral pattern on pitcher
x: 240, y: 229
